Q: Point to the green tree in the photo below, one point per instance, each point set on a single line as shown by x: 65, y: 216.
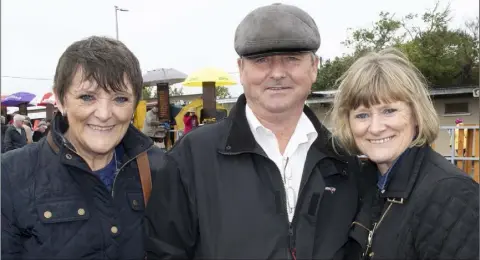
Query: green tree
x: 175, y: 91
x: 147, y: 92
x: 222, y: 92
x: 330, y: 71
x: 385, y: 32
x: 446, y: 56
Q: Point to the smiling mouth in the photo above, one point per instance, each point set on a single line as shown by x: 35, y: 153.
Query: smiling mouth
x: 278, y: 88
x: 381, y: 141
x: 101, y: 128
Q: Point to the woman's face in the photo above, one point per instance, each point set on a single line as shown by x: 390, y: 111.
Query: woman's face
x: 97, y: 120
x: 383, y: 132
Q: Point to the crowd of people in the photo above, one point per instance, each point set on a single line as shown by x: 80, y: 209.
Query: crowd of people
x: 270, y: 181
x: 18, y: 132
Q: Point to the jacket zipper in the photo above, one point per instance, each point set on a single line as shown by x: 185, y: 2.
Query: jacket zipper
x: 123, y: 165
x: 372, y: 232
x: 291, y: 225
x: 291, y: 239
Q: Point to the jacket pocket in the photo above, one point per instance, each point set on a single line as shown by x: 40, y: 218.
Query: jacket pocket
x: 66, y: 210
x: 135, y: 200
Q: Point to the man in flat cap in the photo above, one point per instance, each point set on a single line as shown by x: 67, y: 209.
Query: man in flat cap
x: 264, y: 183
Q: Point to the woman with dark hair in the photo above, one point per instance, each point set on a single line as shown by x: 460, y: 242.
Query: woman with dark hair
x: 81, y: 191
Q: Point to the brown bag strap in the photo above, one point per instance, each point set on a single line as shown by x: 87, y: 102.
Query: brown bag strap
x: 145, y: 175
x: 52, y: 143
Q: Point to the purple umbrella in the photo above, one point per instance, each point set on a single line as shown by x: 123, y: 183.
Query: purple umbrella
x: 16, y: 99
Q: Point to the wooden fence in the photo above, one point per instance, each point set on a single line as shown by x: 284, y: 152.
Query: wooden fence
x: 464, y: 148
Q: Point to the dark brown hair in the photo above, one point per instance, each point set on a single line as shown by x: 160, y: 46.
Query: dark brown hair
x: 103, y: 60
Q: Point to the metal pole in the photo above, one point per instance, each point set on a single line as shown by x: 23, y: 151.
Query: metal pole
x: 116, y: 21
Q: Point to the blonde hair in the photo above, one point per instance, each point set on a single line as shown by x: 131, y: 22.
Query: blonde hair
x: 383, y: 77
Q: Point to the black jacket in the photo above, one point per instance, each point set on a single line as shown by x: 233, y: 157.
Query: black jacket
x: 53, y: 207
x: 220, y: 197
x: 4, y: 130
x: 37, y: 135
x: 429, y: 210
x: 13, y: 139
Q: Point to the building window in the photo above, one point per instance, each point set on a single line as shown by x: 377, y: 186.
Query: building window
x: 456, y: 108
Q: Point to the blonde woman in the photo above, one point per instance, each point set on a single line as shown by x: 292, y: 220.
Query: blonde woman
x: 420, y: 205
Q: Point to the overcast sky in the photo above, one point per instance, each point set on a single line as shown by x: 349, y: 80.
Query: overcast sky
x: 180, y: 34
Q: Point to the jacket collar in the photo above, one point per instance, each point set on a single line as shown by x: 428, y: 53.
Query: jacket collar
x: 134, y: 142
x: 240, y: 138
x: 405, y: 174
x: 18, y: 128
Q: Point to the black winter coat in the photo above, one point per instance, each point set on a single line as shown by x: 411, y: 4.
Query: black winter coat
x: 429, y: 210
x: 4, y: 130
x: 13, y: 139
x: 53, y: 207
x: 221, y: 197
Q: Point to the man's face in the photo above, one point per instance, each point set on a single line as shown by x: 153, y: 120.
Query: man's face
x: 18, y: 123
x: 278, y: 83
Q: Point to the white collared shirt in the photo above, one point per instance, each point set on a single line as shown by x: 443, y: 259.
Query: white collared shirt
x: 292, y: 162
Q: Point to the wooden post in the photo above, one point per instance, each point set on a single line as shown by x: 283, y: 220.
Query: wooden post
x: 163, y: 102
x: 22, y: 109
x: 49, y: 111
x: 459, y: 150
x: 469, y: 151
x: 476, y: 163
x: 209, y: 101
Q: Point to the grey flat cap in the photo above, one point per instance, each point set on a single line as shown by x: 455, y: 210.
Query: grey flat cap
x: 276, y: 28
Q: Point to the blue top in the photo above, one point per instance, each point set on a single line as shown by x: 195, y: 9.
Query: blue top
x: 107, y: 173
x: 383, y: 179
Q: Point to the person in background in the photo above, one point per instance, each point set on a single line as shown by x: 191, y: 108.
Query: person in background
x: 4, y: 129
x: 15, y: 135
x: 151, y: 123
x: 9, y: 119
x: 49, y: 123
x: 79, y: 193
x: 459, y: 123
x: 40, y: 132
x: 154, y: 129
x: 265, y: 182
x: 420, y: 206
x: 27, y: 125
x: 190, y: 120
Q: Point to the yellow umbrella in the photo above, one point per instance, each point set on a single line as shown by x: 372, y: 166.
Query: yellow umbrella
x: 209, y: 78
x: 198, y: 78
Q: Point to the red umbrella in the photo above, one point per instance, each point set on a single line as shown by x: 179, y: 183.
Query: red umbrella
x: 48, y: 98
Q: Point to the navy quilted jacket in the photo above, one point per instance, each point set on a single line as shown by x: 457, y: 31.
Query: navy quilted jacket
x: 53, y: 207
x: 429, y: 210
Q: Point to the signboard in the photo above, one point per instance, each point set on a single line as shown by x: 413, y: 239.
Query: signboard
x: 476, y: 92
